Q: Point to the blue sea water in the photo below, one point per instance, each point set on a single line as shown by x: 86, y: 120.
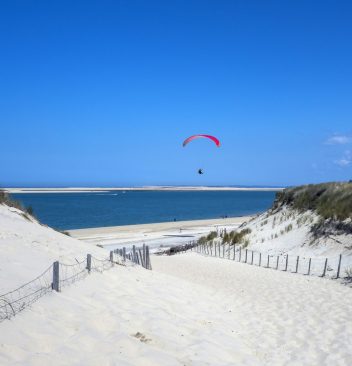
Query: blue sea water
x: 66, y: 211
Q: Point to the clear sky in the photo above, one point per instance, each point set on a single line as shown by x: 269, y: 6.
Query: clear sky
x: 103, y: 93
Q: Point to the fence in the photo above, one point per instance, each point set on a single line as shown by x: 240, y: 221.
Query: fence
x: 60, y: 275
x: 178, y: 249
x: 332, y: 267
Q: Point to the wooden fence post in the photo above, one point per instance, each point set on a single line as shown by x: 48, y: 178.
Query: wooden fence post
x: 111, y: 256
x: 149, y: 266
x: 124, y: 254
x: 89, y: 262
x: 277, y: 263
x: 309, y: 263
x: 141, y: 258
x: 286, y: 262
x: 234, y: 252
x: 268, y: 262
x: 144, y: 256
x: 252, y: 258
x: 339, y: 267
x: 260, y: 259
x: 325, y: 265
x: 245, y: 256
x: 240, y: 254
x: 134, y: 257
x: 56, y: 276
x: 297, y: 263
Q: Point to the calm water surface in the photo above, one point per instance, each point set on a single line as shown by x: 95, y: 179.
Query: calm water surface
x: 82, y: 210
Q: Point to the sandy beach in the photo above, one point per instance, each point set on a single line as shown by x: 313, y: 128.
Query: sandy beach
x: 163, y: 234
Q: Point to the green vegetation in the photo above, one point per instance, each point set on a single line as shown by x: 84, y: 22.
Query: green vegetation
x: 288, y: 228
x: 329, y: 200
x: 233, y: 237
x: 226, y: 238
x: 202, y: 240
x: 238, y: 236
x: 7, y: 200
x: 212, y: 235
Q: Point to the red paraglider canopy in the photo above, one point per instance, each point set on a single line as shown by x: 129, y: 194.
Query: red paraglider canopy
x: 191, y: 138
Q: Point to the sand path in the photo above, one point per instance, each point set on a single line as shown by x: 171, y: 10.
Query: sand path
x: 190, y: 310
x: 286, y: 319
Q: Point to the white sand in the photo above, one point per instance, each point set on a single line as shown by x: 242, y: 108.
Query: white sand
x: 190, y: 310
x: 289, y: 232
x: 28, y: 248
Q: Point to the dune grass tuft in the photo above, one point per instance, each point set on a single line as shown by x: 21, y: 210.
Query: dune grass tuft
x: 329, y: 200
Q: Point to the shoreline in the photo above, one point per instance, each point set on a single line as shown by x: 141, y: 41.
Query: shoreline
x: 164, y: 234
x: 143, y: 188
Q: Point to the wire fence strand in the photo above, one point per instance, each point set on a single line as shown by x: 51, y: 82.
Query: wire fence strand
x: 60, y: 275
x: 11, y: 303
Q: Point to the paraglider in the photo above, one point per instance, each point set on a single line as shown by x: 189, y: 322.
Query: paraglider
x: 191, y: 138
x: 194, y: 137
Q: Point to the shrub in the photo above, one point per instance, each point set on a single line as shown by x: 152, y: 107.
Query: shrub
x: 7, y: 200
x: 329, y: 200
x: 212, y: 235
x: 238, y: 236
x: 29, y: 210
x: 226, y: 238
x: 202, y: 240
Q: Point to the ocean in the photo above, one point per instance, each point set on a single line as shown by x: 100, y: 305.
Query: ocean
x: 66, y: 211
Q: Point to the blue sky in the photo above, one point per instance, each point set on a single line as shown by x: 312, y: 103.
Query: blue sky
x: 104, y: 92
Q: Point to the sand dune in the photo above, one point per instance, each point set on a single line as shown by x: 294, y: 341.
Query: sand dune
x: 190, y: 310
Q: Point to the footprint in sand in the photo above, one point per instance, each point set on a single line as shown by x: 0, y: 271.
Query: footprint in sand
x: 142, y: 337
